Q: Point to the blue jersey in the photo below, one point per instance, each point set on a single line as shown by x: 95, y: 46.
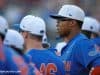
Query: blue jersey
x: 15, y: 64
x: 79, y: 56
x: 2, y: 59
x: 47, y: 62
x: 96, y: 42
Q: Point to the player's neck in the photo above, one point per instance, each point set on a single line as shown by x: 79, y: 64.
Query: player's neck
x: 34, y: 45
x: 73, y: 33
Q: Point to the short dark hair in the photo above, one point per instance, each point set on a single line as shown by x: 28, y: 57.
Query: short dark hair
x: 79, y: 23
x: 87, y: 33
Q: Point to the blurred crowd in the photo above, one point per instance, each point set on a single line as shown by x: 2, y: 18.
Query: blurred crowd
x: 14, y: 10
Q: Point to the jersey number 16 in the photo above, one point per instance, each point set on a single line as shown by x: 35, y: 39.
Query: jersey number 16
x: 49, y: 69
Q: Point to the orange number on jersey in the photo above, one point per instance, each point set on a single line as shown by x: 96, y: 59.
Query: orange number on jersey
x: 46, y: 70
x: 42, y: 68
x: 23, y: 68
x: 67, y: 65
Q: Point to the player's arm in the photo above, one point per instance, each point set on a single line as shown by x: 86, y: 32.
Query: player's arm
x: 95, y: 70
x: 91, y: 58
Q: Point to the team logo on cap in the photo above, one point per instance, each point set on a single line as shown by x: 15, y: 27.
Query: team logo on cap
x: 23, y: 26
x: 5, y: 30
x: 45, y: 39
x: 70, y: 14
x: 42, y: 31
x: 91, y: 27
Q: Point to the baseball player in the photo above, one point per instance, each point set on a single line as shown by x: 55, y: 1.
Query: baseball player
x: 92, y: 26
x: 15, y: 63
x: 91, y: 29
x: 3, y: 29
x: 7, y: 64
x: 79, y: 54
x: 33, y: 29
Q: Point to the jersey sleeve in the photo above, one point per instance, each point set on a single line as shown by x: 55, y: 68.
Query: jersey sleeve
x: 87, y: 55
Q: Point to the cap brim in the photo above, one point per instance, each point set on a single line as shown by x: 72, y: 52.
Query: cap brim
x: 58, y: 17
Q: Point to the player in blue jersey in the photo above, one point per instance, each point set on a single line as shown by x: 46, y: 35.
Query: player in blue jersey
x: 7, y: 65
x: 79, y: 55
x: 13, y: 43
x: 33, y: 29
x: 91, y: 28
x: 3, y: 29
x: 17, y: 63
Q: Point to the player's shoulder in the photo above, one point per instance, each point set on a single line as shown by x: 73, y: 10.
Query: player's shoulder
x: 84, y: 45
x: 7, y: 50
x: 84, y: 42
x: 96, y: 41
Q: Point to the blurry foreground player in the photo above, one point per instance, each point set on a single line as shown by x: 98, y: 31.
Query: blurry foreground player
x: 91, y: 28
x: 33, y: 29
x: 3, y: 30
x: 79, y: 54
x: 16, y: 64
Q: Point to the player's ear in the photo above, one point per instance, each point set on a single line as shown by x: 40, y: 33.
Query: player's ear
x: 26, y: 35
x: 72, y: 23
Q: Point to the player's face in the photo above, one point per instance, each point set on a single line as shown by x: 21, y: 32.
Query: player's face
x: 63, y: 28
